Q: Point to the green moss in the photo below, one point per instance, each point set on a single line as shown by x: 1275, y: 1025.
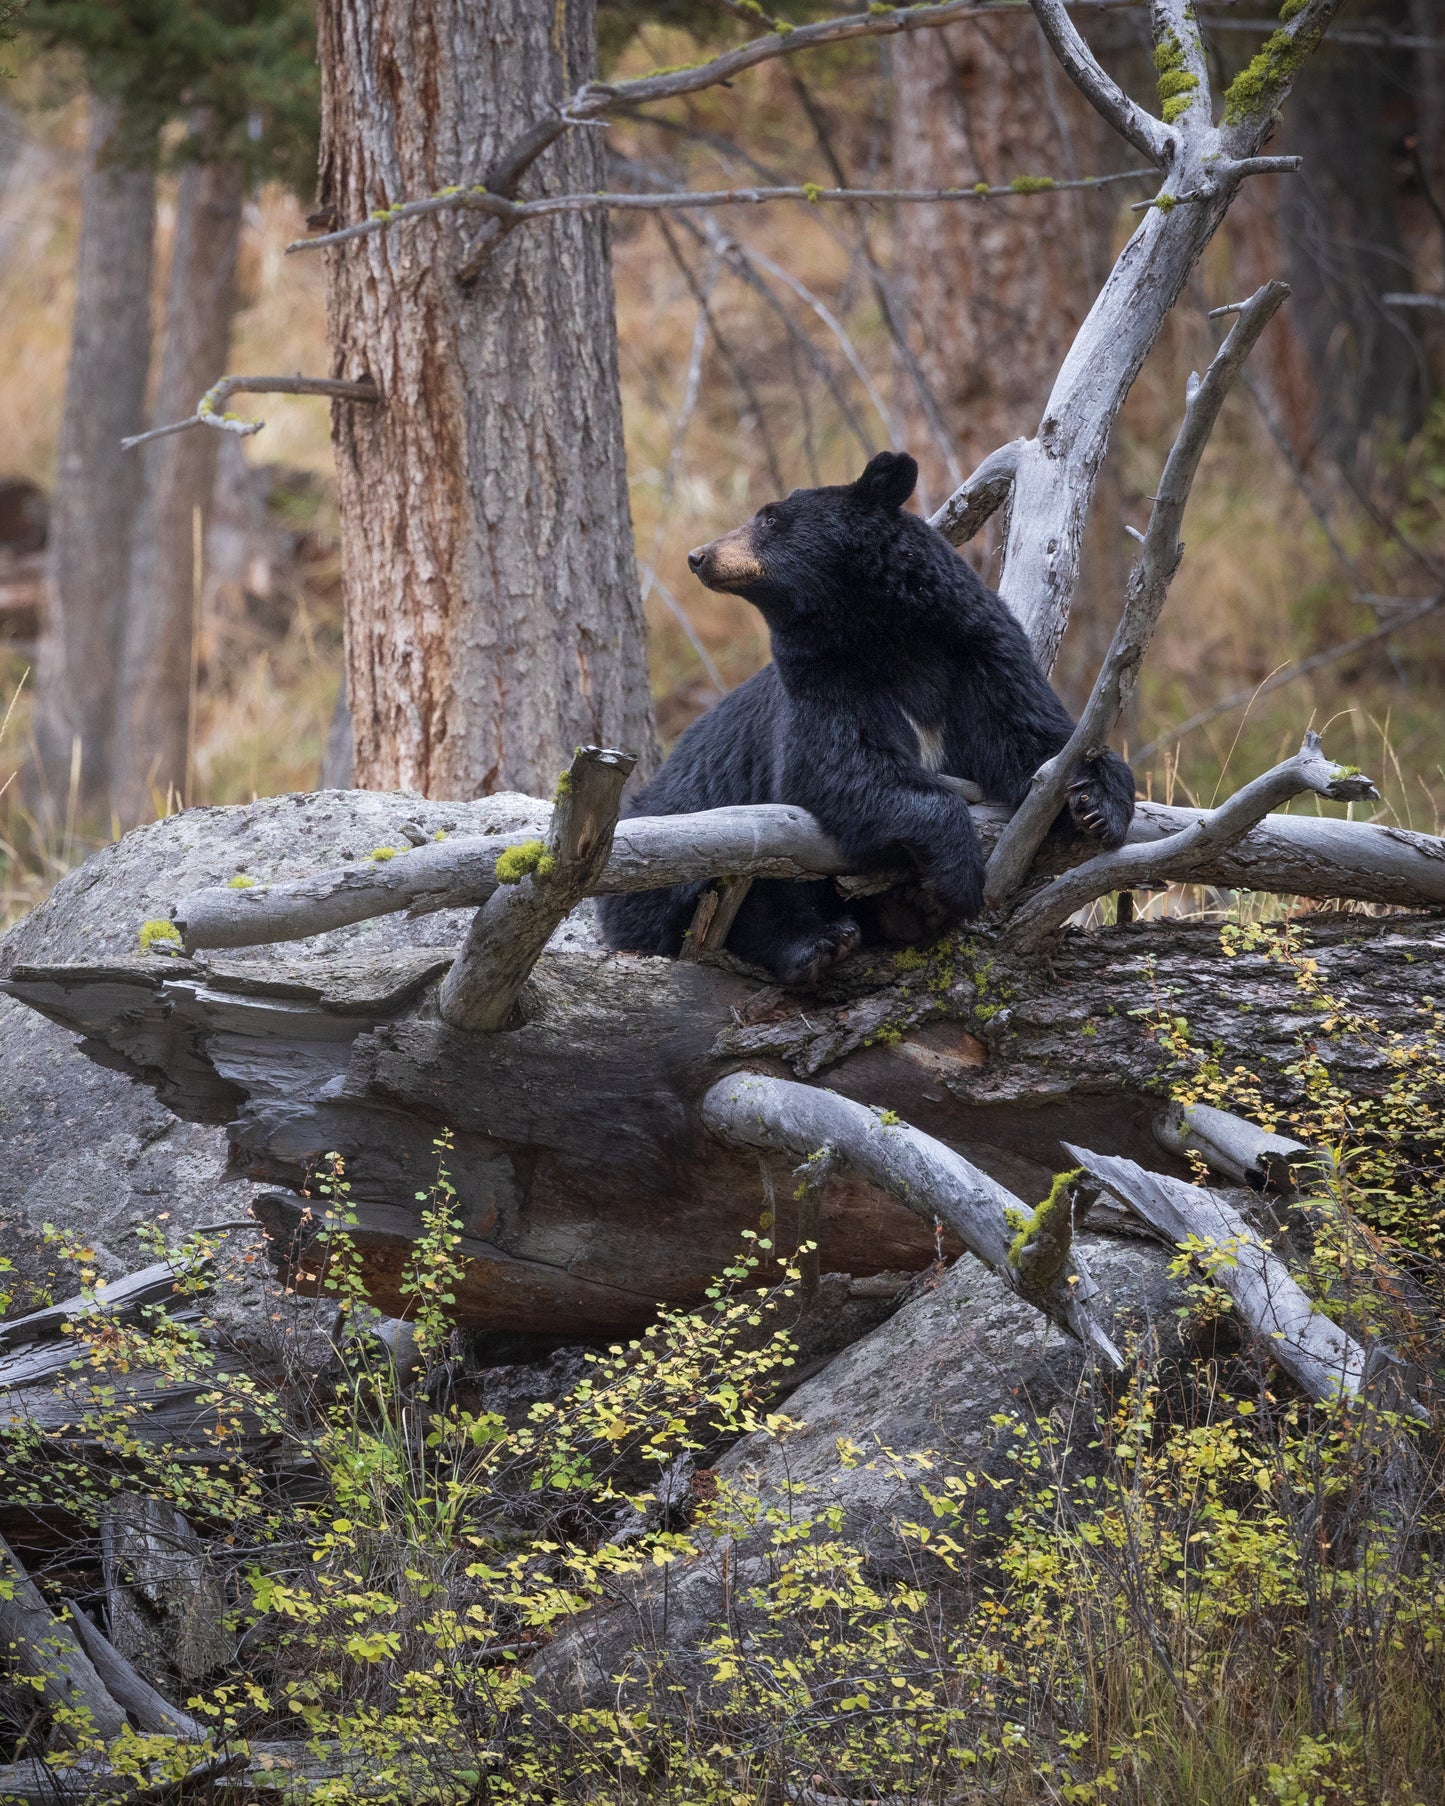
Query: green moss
x: 529, y: 859
x: 382, y: 854
x: 564, y: 787
x: 1177, y: 84
x: 1263, y: 80
x: 909, y: 960
x: 1344, y: 771
x: 440, y: 834
x: 158, y: 933
x: 242, y: 882
x: 811, y: 191
x: 982, y: 188
x: 1048, y: 1222
x: 1166, y: 203
x: 889, y: 1119
x: 1031, y: 184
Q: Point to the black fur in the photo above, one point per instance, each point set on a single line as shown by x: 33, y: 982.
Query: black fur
x: 879, y: 630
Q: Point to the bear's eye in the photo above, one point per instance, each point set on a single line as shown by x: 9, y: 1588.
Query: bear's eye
x: 767, y: 517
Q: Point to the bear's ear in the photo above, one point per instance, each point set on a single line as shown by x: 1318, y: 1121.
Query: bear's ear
x: 888, y: 480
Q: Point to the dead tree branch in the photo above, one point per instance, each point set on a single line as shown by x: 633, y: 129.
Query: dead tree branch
x: 518, y: 919
x: 1058, y: 467
x: 1316, y: 1353
x: 511, y: 213
x: 1029, y: 1250
x: 1185, y: 855
x: 1233, y: 1146
x: 980, y: 495
x: 1147, y: 590
x: 211, y: 409
x: 46, y: 1648
x: 1293, y: 855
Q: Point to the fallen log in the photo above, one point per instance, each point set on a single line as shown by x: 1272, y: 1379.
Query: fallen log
x: 590, y: 1185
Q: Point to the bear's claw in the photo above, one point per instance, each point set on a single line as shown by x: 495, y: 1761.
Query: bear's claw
x: 814, y: 958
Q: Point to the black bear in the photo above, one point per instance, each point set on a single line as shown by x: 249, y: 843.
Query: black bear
x: 892, y: 662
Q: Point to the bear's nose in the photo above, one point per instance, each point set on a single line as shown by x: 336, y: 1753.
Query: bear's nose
x: 695, y: 558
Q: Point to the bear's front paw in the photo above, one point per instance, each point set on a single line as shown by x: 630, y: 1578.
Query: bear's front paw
x: 1098, y: 813
x: 811, y: 957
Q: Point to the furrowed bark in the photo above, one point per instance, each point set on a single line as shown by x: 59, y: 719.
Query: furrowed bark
x: 493, y: 616
x: 97, y: 489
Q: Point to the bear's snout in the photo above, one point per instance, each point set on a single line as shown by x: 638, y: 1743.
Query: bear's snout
x: 729, y: 563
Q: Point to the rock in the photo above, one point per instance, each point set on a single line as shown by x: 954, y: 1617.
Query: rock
x: 931, y: 1379
x: 91, y: 1150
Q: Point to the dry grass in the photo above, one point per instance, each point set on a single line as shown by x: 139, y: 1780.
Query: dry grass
x: 1259, y: 585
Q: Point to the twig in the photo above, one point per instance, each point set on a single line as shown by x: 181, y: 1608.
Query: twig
x: 786, y: 1117
x: 1436, y: 302
x: 1148, y: 588
x: 1182, y: 855
x: 511, y: 213
x: 1288, y: 675
x: 211, y: 409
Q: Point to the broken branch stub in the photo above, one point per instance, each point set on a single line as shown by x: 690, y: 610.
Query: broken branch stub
x: 1189, y: 854
x: 1029, y: 1250
x: 1233, y: 1146
x: 512, y: 927
x: 1148, y: 588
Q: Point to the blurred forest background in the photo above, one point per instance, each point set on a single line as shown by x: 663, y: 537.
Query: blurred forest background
x: 762, y: 349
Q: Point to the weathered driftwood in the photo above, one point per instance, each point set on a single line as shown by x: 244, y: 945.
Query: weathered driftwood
x: 517, y: 920
x: 1233, y: 1146
x: 46, y: 1648
x: 589, y: 1185
x: 119, y: 1298
x: 129, y: 1688
x: 1292, y: 855
x: 781, y: 1116
x: 1324, y: 1360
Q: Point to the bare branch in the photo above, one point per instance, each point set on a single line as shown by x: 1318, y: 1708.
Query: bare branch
x: 211, y: 409
x: 1188, y: 853
x: 1314, y: 1351
x: 512, y: 927
x: 1147, y: 134
x: 515, y: 213
x: 1233, y: 1146
x: 785, y: 1117
x: 1436, y: 302
x: 1302, y: 668
x: 980, y: 495
x: 1148, y: 588
x: 46, y: 1649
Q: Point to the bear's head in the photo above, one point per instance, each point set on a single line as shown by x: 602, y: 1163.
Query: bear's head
x: 817, y: 546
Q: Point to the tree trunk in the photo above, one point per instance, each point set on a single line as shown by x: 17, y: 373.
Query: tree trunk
x: 155, y: 703
x: 996, y: 293
x: 493, y: 616
x: 98, y: 485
